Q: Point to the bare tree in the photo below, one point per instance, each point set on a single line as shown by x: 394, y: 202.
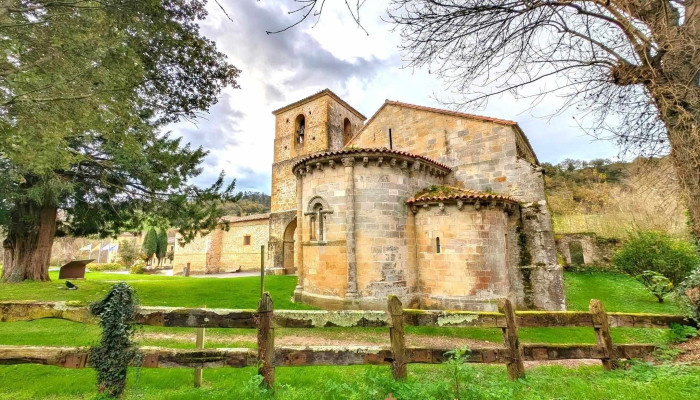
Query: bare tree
x: 632, y: 65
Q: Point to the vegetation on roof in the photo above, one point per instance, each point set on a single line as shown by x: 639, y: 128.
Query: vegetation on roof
x: 442, y: 191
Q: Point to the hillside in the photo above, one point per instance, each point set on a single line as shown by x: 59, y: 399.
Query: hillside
x: 610, y: 198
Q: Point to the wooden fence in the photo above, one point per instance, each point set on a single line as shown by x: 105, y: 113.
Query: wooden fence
x: 267, y: 356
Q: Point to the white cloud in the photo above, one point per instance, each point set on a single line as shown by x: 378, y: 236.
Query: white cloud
x: 365, y: 70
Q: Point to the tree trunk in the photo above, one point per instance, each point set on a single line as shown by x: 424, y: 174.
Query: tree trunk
x: 28, y: 244
x: 679, y: 108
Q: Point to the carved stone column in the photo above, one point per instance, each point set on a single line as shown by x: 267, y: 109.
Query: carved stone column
x: 298, y: 248
x: 349, y: 163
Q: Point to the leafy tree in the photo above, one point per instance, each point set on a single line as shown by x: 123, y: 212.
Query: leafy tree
x: 149, y: 247
x: 127, y: 252
x: 161, y: 245
x: 656, y: 283
x: 658, y: 252
x: 85, y: 88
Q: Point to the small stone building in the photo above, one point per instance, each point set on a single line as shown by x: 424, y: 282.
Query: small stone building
x: 444, y: 209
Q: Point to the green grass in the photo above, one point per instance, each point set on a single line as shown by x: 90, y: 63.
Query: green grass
x: 617, y: 292
x: 154, y: 290
x: 365, y: 382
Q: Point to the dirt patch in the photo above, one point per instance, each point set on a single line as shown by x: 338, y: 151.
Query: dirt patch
x: 690, y: 351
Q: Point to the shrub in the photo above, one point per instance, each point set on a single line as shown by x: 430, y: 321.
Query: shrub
x: 658, y: 252
x: 138, y: 268
x: 127, y: 252
x: 656, y: 283
x: 689, y: 294
x: 105, y: 267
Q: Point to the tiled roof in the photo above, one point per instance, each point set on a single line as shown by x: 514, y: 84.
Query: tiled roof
x: 317, y: 95
x: 442, y: 193
x: 382, y: 150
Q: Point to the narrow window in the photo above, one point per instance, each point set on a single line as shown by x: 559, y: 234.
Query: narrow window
x: 300, y: 128
x: 246, y: 240
x: 347, y: 130
x: 437, y: 244
x: 312, y: 228
x: 391, y: 142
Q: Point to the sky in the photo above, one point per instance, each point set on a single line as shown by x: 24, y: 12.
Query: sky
x: 334, y: 53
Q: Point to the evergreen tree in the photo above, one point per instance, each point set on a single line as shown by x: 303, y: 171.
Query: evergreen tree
x: 149, y: 247
x: 162, y: 245
x: 85, y: 89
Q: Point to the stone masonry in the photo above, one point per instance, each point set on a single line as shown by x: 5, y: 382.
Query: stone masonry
x: 354, y: 211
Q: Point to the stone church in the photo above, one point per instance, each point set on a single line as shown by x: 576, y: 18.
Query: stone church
x: 443, y: 209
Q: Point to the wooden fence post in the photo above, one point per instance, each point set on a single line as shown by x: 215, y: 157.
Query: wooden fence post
x: 262, y: 270
x: 398, y: 341
x: 199, y: 344
x: 515, y: 366
x: 602, y: 333
x: 266, y: 340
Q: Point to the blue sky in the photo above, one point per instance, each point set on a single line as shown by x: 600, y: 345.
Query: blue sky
x: 362, y: 69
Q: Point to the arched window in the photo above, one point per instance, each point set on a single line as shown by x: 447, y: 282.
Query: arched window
x: 317, y: 210
x: 347, y: 129
x: 299, y: 129
x: 437, y: 244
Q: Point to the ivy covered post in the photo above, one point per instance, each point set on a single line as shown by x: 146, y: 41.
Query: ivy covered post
x: 116, y: 351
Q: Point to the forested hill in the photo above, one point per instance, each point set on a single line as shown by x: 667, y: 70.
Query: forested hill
x: 250, y: 203
x: 610, y: 198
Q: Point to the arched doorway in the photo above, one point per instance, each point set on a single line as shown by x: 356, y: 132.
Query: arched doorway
x: 288, y: 247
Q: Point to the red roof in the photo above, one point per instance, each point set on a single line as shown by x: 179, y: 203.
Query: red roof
x: 382, y: 150
x: 453, y: 193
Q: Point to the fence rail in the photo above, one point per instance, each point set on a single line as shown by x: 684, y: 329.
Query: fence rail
x: 11, y: 311
x: 157, y: 357
x: 268, y: 356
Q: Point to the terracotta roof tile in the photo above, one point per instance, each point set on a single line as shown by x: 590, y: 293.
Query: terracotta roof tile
x: 453, y: 193
x: 382, y: 150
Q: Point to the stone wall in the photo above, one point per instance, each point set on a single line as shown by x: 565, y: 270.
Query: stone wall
x: 595, y: 250
x: 483, y: 153
x: 366, y: 193
x: 471, y: 269
x: 384, y: 234
x: 224, y: 251
x: 325, y: 271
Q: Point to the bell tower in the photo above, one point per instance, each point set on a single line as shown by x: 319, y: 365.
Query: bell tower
x: 318, y: 123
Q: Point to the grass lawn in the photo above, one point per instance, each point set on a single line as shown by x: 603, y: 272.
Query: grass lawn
x: 365, y: 383
x: 617, y: 292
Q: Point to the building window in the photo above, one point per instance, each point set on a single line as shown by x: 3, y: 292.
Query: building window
x: 300, y: 128
x: 347, y: 130
x: 246, y: 240
x: 437, y: 244
x: 317, y: 210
